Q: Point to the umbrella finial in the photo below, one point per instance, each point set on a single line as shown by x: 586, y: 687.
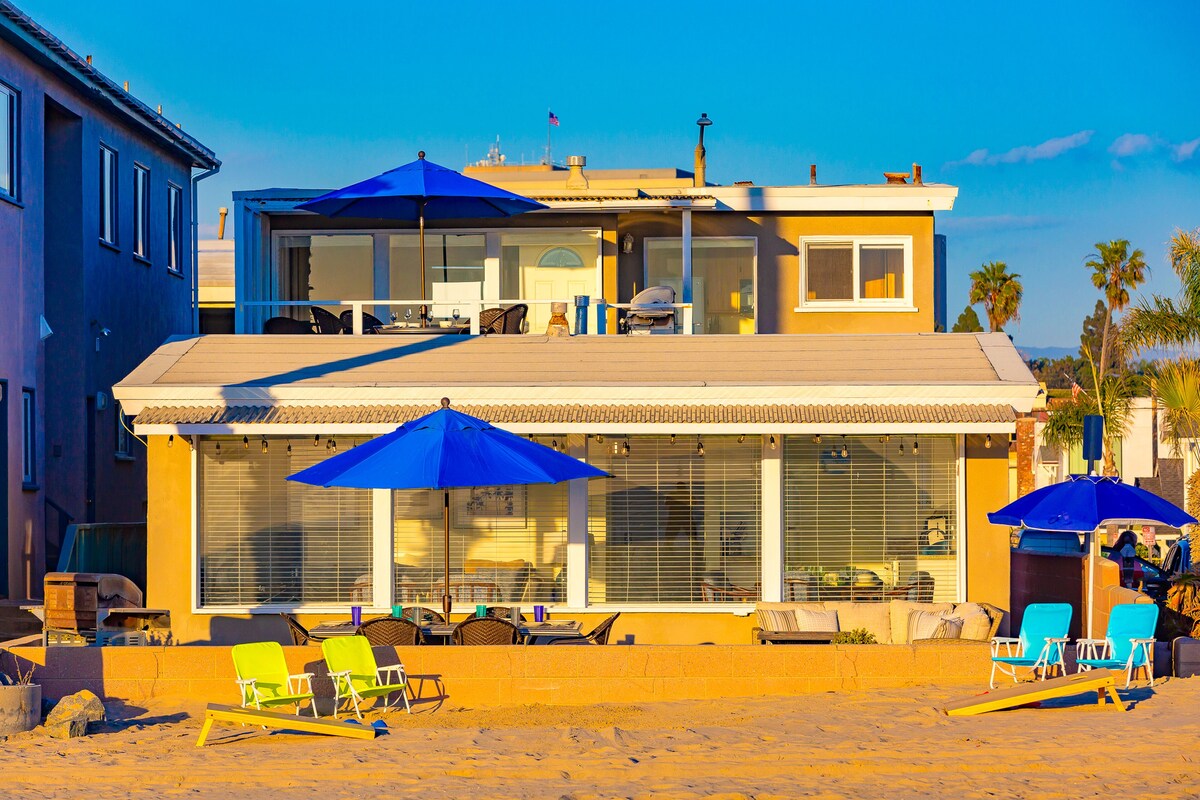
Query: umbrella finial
x: 445, y: 402
x: 420, y: 154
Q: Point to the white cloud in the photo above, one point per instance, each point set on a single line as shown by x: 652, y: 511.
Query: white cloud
x: 1131, y: 144
x: 1185, y: 150
x: 1051, y: 148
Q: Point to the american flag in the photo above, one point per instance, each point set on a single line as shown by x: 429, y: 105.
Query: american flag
x: 553, y: 119
x: 1075, y: 390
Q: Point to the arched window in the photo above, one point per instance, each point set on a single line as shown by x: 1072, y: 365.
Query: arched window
x: 560, y: 257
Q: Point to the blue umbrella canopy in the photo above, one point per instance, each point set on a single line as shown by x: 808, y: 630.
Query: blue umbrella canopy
x: 421, y: 189
x: 445, y: 450
x: 1085, y: 502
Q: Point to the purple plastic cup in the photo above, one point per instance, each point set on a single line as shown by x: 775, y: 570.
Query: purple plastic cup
x: 539, y: 613
x: 356, y: 615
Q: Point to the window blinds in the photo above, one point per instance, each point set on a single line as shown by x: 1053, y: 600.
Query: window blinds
x: 877, y: 523
x: 508, y: 544
x: 672, y: 525
x: 264, y: 540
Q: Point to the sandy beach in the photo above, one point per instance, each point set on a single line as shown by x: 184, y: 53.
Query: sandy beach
x: 892, y: 744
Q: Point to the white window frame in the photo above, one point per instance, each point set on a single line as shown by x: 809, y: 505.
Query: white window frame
x: 28, y: 437
x: 174, y: 228
x: 141, y: 211
x: 857, y: 303
x: 10, y: 98
x: 109, y: 197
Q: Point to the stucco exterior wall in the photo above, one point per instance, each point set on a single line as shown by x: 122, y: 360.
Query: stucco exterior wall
x: 52, y: 263
x: 988, y: 545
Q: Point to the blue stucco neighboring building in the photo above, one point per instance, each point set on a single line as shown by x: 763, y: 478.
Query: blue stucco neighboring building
x: 97, y: 243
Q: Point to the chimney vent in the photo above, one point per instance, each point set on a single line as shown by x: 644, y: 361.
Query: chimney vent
x: 812, y: 174
x: 917, y: 181
x: 896, y: 177
x: 743, y: 183
x: 89, y: 60
x: 575, y: 177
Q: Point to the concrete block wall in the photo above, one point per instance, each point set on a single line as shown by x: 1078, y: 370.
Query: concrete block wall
x: 563, y: 675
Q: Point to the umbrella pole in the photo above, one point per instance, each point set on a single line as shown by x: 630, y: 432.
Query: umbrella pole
x: 421, y: 237
x: 447, y: 600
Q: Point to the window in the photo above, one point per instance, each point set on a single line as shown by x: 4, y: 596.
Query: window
x: 264, y: 540
x: 508, y: 544
x: 124, y: 450
x: 672, y: 525
x: 28, y: 438
x: 722, y: 280
x: 867, y: 271
x: 875, y: 523
x: 8, y: 141
x: 175, y: 227
x: 108, y: 195
x: 141, y: 211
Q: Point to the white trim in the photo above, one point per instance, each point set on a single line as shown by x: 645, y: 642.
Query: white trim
x: 960, y: 513
x: 903, y: 303
x: 773, y: 520
x: 195, y: 570
x: 577, y: 530
x: 383, y: 542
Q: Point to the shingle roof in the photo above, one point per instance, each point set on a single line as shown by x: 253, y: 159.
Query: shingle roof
x: 594, y: 414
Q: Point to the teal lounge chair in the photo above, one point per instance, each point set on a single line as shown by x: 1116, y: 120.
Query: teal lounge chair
x: 263, y: 678
x: 1128, y: 644
x: 1040, y: 645
x: 355, y: 675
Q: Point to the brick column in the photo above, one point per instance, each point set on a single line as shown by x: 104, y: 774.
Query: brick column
x: 1026, y: 442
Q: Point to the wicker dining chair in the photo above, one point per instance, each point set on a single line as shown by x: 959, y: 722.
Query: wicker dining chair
x: 370, y: 322
x: 326, y: 321
x: 599, y: 634
x: 485, y: 630
x: 391, y: 632
x: 300, y: 634
x: 509, y: 320
x: 502, y: 612
x: 422, y: 616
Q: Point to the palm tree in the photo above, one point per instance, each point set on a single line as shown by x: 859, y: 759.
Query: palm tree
x: 1163, y: 322
x: 999, y: 291
x: 1111, y: 400
x: 1115, y: 271
x: 1176, y: 388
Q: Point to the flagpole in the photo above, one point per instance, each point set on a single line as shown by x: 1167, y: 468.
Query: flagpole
x: 548, y: 114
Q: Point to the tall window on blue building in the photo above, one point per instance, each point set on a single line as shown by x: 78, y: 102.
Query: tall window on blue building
x: 8, y: 141
x: 175, y: 228
x: 28, y: 438
x: 141, y: 211
x: 108, y: 195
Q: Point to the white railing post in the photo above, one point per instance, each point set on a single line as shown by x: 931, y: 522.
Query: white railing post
x: 356, y: 309
x: 687, y: 318
x: 476, y: 310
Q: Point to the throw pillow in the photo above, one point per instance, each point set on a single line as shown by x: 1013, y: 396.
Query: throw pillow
x: 948, y: 628
x: 816, y: 621
x: 923, y: 624
x: 976, y: 626
x: 778, y: 620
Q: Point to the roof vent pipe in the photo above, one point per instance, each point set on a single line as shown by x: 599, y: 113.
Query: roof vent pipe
x: 812, y: 174
x: 575, y: 177
x: 916, y: 175
x: 701, y: 159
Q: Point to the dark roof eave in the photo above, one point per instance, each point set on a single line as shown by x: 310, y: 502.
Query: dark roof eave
x: 18, y: 28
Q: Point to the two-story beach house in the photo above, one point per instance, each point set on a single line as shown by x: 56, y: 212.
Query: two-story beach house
x: 797, y: 429
x: 97, y: 195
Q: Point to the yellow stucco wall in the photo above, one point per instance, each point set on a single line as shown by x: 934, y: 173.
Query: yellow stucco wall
x: 778, y: 278
x: 987, y: 544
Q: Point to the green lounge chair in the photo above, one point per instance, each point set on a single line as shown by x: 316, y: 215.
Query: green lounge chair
x: 263, y: 678
x: 355, y: 675
x: 1128, y: 644
x: 1040, y: 645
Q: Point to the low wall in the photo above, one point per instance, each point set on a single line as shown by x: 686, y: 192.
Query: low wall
x: 563, y: 675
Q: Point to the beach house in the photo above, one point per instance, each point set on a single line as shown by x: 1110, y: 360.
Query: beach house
x: 97, y: 194
x: 798, y: 427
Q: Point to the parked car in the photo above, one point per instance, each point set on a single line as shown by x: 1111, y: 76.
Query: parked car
x: 1155, y: 582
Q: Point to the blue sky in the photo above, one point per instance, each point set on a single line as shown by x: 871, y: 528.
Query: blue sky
x: 1063, y: 124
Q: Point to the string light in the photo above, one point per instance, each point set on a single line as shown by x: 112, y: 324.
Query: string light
x: 672, y: 438
x: 171, y: 440
x: 554, y: 445
x: 699, y: 447
x: 773, y: 445
x: 599, y: 438
x: 845, y: 450
x: 264, y: 444
x: 741, y: 438
x: 246, y: 442
x: 624, y: 447
x: 218, y: 448
x: 289, y: 448
x: 987, y: 441
x: 901, y: 448
x: 816, y: 438
x: 333, y: 445
x: 916, y: 448
x: 316, y: 440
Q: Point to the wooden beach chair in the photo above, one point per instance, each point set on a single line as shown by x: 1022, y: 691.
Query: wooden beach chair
x: 271, y: 719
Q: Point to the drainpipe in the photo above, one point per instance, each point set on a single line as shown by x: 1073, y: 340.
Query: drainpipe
x: 208, y: 173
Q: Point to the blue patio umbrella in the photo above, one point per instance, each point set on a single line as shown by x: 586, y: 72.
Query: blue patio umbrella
x: 446, y: 450
x: 421, y: 190
x: 1083, y: 503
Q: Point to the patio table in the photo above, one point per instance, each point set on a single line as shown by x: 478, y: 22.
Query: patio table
x: 416, y: 330
x: 564, y: 629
